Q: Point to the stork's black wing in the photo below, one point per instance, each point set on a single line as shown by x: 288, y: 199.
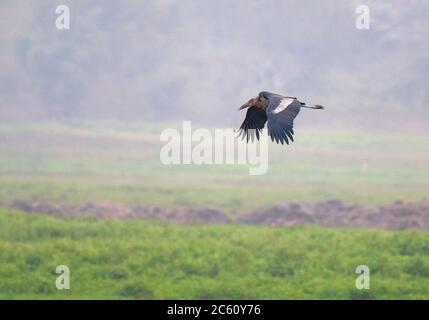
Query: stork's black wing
x: 253, y: 123
x: 281, y: 112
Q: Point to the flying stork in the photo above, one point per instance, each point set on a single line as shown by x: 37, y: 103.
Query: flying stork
x: 277, y: 110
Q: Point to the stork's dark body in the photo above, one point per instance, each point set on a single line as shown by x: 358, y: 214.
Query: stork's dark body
x: 277, y: 111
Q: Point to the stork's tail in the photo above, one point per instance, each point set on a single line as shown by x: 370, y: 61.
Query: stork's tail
x: 316, y: 106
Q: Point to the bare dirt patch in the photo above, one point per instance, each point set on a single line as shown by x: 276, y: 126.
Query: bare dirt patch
x: 120, y: 211
x: 333, y: 213
x: 396, y: 216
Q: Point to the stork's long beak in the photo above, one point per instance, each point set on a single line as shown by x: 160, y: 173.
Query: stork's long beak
x: 244, y: 106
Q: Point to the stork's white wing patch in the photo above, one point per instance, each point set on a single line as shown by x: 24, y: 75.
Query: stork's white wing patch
x: 284, y: 103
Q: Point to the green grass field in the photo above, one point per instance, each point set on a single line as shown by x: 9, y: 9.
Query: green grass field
x: 138, y: 260
x: 135, y: 259
x: 120, y: 163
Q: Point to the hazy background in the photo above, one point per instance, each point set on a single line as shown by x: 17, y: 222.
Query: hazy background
x: 81, y: 182
x: 198, y: 60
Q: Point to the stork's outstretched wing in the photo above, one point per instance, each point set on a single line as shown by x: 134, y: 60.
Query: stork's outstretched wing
x: 281, y: 112
x: 253, y: 123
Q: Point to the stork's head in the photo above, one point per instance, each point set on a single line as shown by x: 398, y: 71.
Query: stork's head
x: 254, y: 102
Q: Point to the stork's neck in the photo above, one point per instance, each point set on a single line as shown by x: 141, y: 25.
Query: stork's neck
x: 261, y: 104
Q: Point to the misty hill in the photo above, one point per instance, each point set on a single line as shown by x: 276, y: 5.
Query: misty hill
x: 174, y: 60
